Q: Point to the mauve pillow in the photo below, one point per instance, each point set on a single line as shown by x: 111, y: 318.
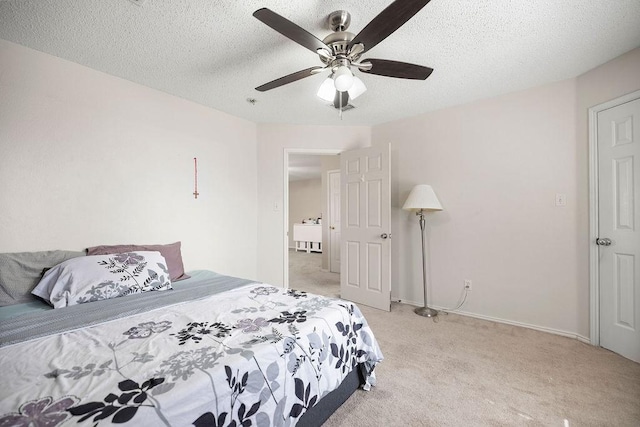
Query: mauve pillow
x: 170, y: 252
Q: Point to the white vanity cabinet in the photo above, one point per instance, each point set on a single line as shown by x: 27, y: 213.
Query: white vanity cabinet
x: 308, y: 237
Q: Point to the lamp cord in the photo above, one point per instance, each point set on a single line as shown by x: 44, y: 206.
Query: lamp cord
x: 463, y: 296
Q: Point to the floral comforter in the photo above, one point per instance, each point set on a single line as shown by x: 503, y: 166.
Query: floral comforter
x: 255, y: 355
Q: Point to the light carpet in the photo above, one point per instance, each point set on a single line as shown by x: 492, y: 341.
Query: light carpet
x: 461, y: 371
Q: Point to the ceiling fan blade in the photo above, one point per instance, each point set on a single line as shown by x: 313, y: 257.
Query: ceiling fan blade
x: 290, y: 30
x: 341, y: 99
x: 401, y: 70
x: 289, y: 79
x: 387, y: 21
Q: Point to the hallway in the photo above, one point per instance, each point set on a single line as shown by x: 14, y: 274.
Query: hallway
x: 306, y: 274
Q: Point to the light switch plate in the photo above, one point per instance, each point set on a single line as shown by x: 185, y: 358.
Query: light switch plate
x: 561, y: 199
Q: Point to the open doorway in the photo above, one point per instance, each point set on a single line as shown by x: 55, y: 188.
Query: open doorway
x: 312, y: 221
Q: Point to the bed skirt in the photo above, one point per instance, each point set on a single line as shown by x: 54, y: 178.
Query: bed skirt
x: 321, y: 412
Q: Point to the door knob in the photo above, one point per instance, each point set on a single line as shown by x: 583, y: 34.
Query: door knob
x: 385, y: 235
x: 332, y: 227
x: 603, y: 242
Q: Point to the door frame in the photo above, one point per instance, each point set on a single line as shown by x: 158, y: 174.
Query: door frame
x: 285, y: 199
x: 329, y: 218
x: 594, y: 262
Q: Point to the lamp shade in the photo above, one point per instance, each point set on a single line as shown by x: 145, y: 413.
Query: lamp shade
x: 357, y: 88
x: 327, y: 90
x: 343, y: 78
x: 422, y: 197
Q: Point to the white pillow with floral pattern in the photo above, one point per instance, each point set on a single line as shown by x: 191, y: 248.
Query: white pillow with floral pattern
x: 99, y: 277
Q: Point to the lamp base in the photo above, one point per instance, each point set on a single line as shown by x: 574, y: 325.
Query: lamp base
x: 426, y: 312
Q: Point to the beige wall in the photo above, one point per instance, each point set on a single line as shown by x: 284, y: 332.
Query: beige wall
x: 496, y: 166
x: 88, y: 159
x: 305, y: 201
x: 273, y: 139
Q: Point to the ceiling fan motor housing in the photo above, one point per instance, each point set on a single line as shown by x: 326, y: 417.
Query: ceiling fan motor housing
x: 339, y: 20
x: 339, y: 43
x: 339, y: 40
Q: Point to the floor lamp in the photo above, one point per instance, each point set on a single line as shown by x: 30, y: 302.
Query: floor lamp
x: 423, y: 199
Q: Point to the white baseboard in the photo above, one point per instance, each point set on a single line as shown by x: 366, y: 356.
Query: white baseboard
x: 583, y: 339
x: 404, y: 301
x: 506, y: 322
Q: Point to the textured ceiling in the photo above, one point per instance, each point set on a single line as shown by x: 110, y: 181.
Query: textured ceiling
x: 215, y: 52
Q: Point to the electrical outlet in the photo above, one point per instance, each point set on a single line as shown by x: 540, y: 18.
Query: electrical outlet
x: 467, y: 284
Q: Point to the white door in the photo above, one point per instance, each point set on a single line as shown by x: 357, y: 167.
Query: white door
x: 365, y: 274
x: 619, y: 228
x: 334, y: 220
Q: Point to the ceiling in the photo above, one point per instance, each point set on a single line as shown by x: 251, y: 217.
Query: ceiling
x: 215, y: 52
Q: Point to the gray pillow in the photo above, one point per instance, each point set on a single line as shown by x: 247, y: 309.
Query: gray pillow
x: 20, y: 272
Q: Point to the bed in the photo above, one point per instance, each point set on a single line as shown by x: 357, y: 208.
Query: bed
x: 212, y: 351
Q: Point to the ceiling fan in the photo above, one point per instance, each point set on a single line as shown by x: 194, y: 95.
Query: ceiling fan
x: 341, y: 50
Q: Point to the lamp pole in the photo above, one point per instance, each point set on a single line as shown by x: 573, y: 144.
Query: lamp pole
x: 422, y: 198
x: 424, y: 311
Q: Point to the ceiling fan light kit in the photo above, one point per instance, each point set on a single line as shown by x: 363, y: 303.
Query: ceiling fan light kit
x: 327, y: 90
x: 341, y: 50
